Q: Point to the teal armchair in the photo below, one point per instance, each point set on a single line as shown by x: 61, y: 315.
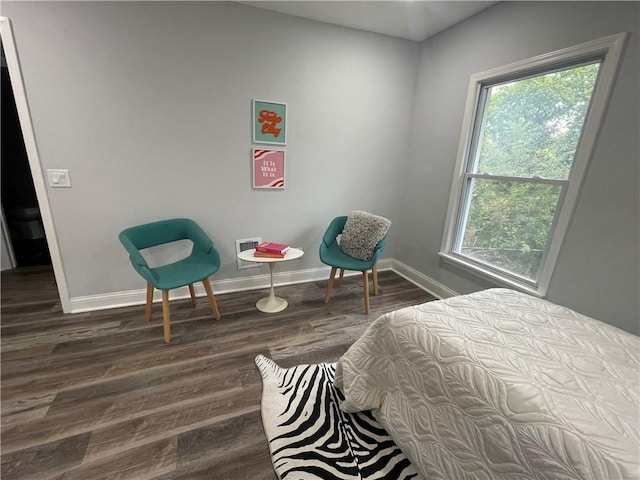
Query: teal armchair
x: 332, y: 255
x: 203, y: 262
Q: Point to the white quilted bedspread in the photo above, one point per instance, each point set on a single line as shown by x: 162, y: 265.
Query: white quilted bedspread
x: 500, y: 385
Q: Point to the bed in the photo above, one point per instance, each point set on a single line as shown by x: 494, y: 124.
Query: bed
x: 500, y: 385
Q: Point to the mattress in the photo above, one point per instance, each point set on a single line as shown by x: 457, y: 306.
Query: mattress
x: 500, y: 385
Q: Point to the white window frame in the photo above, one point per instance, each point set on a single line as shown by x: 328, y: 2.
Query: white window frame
x: 608, y: 51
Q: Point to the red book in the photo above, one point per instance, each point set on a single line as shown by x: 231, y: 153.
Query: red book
x: 272, y: 247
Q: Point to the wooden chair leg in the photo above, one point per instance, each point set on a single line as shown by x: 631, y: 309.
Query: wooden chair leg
x: 149, y: 306
x: 165, y: 316
x: 374, y: 271
x: 330, y: 284
x: 341, y: 277
x: 192, y: 292
x: 365, y: 282
x: 212, y: 299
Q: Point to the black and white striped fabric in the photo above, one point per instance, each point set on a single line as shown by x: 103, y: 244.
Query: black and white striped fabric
x: 311, y: 438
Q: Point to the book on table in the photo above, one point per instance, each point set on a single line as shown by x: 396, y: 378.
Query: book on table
x: 272, y: 248
x: 268, y: 255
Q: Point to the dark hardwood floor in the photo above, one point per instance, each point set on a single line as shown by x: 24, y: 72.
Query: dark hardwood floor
x: 99, y: 395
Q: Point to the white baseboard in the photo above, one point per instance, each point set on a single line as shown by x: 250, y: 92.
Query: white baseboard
x: 138, y: 297
x: 435, y: 288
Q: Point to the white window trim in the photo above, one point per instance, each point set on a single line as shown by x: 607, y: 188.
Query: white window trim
x: 609, y: 49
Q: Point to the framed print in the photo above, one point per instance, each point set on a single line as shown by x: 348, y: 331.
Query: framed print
x: 269, y: 122
x: 268, y: 168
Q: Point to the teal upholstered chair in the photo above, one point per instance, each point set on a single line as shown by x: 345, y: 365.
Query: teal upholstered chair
x: 203, y: 262
x: 333, y: 255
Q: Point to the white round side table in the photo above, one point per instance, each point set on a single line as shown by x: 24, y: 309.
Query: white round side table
x: 270, y: 304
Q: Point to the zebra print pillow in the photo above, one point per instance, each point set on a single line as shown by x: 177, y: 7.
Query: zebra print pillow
x: 311, y: 438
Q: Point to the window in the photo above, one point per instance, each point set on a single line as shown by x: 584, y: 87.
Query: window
x: 527, y: 137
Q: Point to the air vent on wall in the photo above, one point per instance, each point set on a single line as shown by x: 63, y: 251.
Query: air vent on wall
x: 247, y: 244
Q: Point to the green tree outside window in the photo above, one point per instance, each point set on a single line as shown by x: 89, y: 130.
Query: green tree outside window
x: 527, y: 138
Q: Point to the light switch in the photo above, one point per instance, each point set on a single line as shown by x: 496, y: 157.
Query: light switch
x: 58, y: 178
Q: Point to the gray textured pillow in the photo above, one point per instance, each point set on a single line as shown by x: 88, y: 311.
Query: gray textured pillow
x: 361, y: 234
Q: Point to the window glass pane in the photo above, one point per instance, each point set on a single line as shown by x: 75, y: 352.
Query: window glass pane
x: 508, y: 224
x: 532, y: 126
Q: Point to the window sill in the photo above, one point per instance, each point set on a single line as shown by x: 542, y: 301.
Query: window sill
x: 487, y: 274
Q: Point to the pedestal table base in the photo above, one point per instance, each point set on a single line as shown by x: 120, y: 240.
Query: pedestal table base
x: 271, y: 304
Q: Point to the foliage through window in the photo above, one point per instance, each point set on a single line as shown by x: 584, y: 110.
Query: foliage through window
x: 527, y: 140
x: 526, y: 127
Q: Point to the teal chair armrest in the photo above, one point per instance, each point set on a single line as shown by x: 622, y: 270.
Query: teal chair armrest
x: 215, y: 256
x: 335, y: 228
x: 134, y: 255
x: 200, y: 239
x: 379, y: 249
x: 212, y: 257
x: 147, y: 273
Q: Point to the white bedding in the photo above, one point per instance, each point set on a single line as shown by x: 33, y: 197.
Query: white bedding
x: 500, y: 385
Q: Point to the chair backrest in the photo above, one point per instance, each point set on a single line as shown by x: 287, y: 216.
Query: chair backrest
x: 135, y: 239
x: 157, y: 233
x: 148, y: 235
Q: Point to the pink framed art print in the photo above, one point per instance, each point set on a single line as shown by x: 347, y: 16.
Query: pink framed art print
x: 268, y: 168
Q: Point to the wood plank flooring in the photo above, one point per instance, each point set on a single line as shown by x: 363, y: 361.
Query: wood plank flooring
x: 99, y: 395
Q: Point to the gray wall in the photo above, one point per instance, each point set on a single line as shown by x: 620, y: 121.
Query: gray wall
x: 149, y: 107
x: 598, y: 267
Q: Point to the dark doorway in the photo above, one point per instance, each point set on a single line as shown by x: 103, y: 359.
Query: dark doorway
x: 19, y: 200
